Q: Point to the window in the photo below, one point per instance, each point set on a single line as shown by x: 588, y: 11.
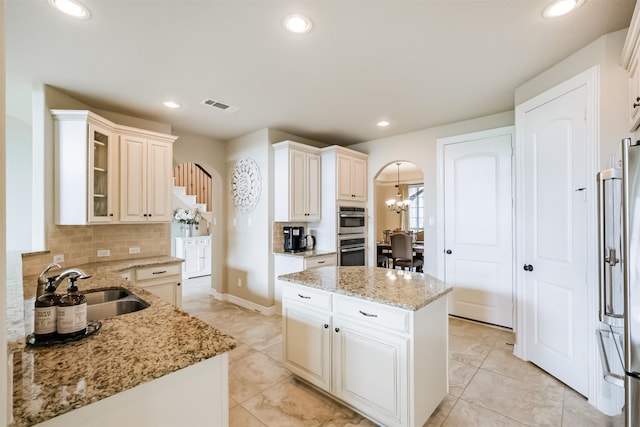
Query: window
x: 416, y: 208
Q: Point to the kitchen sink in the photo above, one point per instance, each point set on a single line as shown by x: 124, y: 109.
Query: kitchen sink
x: 111, y: 302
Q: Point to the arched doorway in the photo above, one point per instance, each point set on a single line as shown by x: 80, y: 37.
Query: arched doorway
x: 406, y: 179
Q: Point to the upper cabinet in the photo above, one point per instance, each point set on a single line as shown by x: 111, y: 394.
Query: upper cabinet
x: 352, y: 178
x: 145, y: 177
x: 86, y: 168
x: 631, y: 62
x: 297, y: 182
x: 108, y: 173
x: 350, y: 172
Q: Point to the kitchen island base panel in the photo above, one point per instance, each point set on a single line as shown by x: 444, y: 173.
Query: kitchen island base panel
x: 194, y: 396
x: 387, y: 363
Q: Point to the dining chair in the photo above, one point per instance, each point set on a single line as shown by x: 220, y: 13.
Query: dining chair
x: 402, y: 252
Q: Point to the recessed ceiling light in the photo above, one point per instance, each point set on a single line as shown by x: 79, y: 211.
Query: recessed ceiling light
x: 71, y: 7
x: 561, y: 7
x: 297, y: 24
x: 172, y: 104
x: 383, y: 123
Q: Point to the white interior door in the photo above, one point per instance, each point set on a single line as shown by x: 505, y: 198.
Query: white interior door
x: 478, y: 230
x: 555, y: 181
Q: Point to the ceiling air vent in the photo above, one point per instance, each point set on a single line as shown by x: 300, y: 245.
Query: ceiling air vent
x: 220, y: 106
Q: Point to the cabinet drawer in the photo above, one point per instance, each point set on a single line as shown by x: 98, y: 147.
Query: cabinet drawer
x: 157, y: 272
x: 373, y: 314
x: 307, y: 296
x: 319, y: 261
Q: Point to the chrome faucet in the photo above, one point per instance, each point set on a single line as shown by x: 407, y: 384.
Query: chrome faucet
x: 42, y: 278
x: 71, y: 272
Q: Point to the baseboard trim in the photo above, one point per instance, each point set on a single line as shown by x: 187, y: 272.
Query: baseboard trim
x: 267, y: 311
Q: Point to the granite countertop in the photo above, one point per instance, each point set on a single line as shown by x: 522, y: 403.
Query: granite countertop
x: 127, y: 351
x: 398, y: 288
x: 305, y: 254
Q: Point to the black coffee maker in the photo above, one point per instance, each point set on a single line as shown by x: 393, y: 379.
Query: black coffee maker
x: 294, y: 240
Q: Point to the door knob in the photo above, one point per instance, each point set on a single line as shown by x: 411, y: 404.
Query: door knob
x: 448, y: 252
x: 528, y: 267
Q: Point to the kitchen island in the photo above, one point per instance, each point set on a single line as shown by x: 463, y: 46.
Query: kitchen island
x: 373, y: 338
x: 154, y: 367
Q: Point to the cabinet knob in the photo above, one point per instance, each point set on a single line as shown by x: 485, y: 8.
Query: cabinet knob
x: 528, y: 267
x: 149, y: 214
x: 636, y: 105
x: 110, y: 214
x: 337, y: 329
x: 144, y: 215
x: 178, y: 284
x: 448, y: 252
x: 326, y: 326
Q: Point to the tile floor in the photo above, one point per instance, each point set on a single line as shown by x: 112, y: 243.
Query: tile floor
x: 488, y: 386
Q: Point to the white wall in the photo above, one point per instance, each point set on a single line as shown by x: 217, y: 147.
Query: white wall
x: 19, y: 214
x: 420, y: 148
x: 210, y: 154
x: 248, y: 254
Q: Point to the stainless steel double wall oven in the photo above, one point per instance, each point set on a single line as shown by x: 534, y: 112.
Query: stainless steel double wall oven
x: 352, y: 237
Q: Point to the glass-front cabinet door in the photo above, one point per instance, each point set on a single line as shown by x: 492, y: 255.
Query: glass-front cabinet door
x: 101, y: 174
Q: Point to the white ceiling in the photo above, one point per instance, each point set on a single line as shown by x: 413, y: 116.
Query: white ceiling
x: 417, y: 64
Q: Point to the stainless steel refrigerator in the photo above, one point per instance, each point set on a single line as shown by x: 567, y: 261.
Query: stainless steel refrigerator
x: 619, y: 268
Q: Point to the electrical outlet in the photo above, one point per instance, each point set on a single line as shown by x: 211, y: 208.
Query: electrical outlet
x: 58, y: 258
x: 239, y: 282
x: 104, y: 252
x: 135, y: 250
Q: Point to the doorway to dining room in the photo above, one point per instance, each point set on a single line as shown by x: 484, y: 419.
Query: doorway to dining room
x: 398, y: 199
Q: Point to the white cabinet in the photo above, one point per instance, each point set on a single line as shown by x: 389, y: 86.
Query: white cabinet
x: 162, y: 280
x: 631, y: 63
x: 351, y: 178
x: 344, y: 175
x: 388, y: 363
x: 145, y: 177
x: 286, y: 263
x: 108, y: 173
x: 196, y: 252
x: 297, y: 182
x: 86, y: 168
x: 306, y: 328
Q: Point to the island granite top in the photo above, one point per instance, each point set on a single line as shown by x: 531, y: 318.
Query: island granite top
x: 398, y: 288
x: 127, y: 351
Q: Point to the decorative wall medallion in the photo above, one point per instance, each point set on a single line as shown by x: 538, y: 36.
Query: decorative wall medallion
x: 246, y: 183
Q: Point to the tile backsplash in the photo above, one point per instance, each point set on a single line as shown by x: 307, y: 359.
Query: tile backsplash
x: 80, y: 244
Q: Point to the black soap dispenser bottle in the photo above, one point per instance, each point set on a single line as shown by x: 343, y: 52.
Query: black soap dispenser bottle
x: 72, y: 312
x: 46, y: 308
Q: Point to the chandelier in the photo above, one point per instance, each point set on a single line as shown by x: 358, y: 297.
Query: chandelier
x: 398, y: 205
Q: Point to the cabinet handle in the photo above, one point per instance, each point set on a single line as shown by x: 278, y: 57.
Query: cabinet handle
x: 337, y: 329
x: 367, y: 314
x: 326, y: 326
x: 304, y: 296
x: 159, y: 272
x: 321, y: 262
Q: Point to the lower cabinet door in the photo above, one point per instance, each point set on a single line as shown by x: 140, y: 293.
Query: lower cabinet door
x: 307, y: 343
x: 371, y: 372
x: 166, y: 291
